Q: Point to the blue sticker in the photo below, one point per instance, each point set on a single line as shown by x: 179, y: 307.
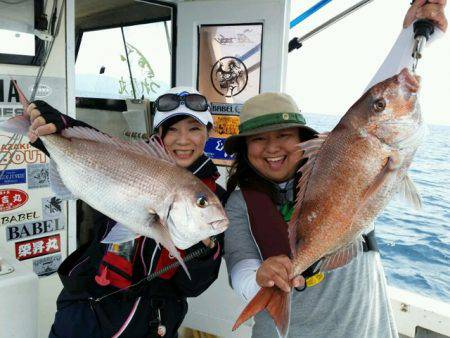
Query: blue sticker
x: 214, y: 149
x: 13, y: 176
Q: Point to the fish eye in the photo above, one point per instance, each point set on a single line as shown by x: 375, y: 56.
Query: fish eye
x: 202, y: 201
x: 379, y: 105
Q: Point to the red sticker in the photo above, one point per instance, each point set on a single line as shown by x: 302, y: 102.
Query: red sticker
x: 38, y: 247
x: 12, y: 199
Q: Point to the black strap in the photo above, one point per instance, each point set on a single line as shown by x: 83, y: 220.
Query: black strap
x: 117, y: 270
x: 370, y: 242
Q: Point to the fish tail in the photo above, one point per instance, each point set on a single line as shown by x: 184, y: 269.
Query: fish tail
x: 22, y: 98
x: 276, y: 302
x: 16, y: 125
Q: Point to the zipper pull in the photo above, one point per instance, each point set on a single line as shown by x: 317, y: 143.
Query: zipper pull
x: 161, y: 328
x: 102, y: 280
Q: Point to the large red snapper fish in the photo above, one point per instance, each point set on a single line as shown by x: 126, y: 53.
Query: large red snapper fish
x: 349, y: 177
x: 137, y: 184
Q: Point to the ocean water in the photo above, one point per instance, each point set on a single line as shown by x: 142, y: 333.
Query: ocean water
x: 415, y: 244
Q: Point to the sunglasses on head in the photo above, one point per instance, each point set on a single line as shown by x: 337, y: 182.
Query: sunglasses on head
x: 168, y: 102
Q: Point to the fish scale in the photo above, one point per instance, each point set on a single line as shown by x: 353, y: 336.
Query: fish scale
x: 342, y: 197
x: 118, y: 182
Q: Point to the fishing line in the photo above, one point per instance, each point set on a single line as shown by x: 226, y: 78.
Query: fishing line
x: 197, y: 253
x: 47, y: 54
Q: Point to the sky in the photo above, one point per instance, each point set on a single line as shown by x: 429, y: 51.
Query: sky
x: 332, y: 69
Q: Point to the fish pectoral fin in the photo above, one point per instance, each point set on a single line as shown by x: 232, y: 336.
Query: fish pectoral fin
x: 119, y: 234
x: 56, y: 183
x: 408, y: 192
x: 161, y: 235
x: 342, y: 256
x: 391, y: 166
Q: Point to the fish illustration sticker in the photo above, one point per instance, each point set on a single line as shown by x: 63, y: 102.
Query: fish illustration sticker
x: 51, y: 207
x: 12, y: 199
x: 38, y: 175
x: 229, y: 76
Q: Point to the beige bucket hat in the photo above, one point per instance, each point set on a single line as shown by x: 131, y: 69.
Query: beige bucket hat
x: 267, y: 112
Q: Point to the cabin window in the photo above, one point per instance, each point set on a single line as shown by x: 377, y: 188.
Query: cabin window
x: 125, y: 62
x: 18, y: 21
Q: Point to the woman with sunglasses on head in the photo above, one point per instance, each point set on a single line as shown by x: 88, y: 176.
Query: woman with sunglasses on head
x: 182, y: 121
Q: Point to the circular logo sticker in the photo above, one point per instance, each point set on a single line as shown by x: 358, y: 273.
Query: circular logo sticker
x: 285, y: 116
x: 12, y: 198
x: 229, y: 76
x: 42, y: 92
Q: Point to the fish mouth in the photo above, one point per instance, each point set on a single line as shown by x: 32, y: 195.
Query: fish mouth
x: 409, y: 81
x: 220, y: 224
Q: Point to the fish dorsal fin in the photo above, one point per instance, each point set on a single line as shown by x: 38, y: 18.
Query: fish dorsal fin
x: 342, y: 256
x: 154, y: 148
x: 408, y: 192
x: 22, y: 98
x: 310, y: 150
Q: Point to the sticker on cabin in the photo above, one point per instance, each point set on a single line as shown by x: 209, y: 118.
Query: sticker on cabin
x: 50, y: 88
x: 38, y: 175
x: 229, y: 76
x: 214, y: 148
x: 20, y: 153
x: 51, y: 207
x: 42, y: 92
x: 13, y: 176
x: 11, y: 199
x: 19, y: 231
x: 229, y: 61
x: 226, y: 108
x: 38, y: 247
x: 225, y: 126
x: 17, y: 218
x: 47, y: 265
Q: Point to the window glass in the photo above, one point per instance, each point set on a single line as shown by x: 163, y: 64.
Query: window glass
x: 150, y: 60
x: 99, y: 68
x: 102, y: 68
x: 16, y: 43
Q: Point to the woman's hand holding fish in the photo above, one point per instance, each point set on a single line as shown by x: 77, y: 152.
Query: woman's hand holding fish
x: 278, y: 271
x: 44, y: 120
x: 209, y: 243
x: 427, y: 9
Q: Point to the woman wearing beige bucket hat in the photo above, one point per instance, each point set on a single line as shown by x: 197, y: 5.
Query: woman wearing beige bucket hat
x: 348, y: 302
